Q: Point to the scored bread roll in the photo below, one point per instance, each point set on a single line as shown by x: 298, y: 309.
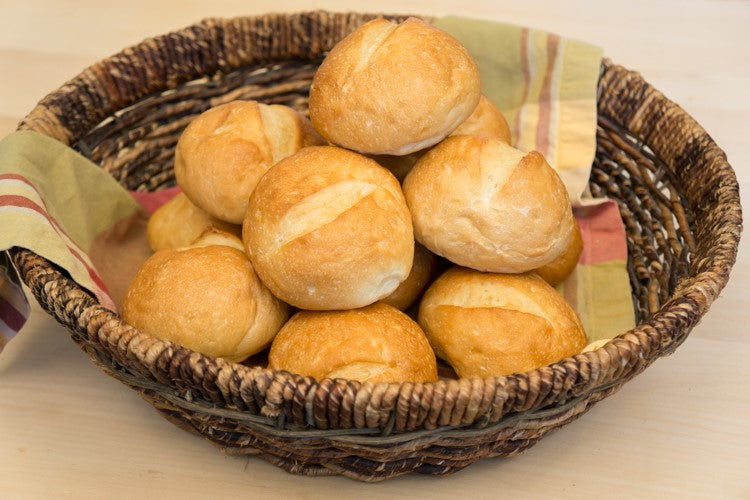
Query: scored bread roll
x: 483, y: 204
x: 392, y: 88
x: 178, y: 222
x: 556, y: 271
x: 377, y: 343
x: 486, y: 120
x: 223, y: 152
x: 327, y: 228
x: 486, y: 324
x: 425, y: 264
x: 207, y: 299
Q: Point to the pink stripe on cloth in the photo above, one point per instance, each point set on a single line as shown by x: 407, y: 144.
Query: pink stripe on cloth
x: 526, y: 82
x: 14, y: 308
x: 23, y: 202
x: 545, y: 98
x: 151, y: 201
x: 603, y: 233
x: 10, y: 315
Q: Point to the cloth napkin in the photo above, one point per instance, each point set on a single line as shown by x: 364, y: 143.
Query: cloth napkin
x: 545, y: 85
x: 60, y: 205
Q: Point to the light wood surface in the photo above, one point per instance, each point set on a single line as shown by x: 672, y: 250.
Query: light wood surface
x: 681, y: 429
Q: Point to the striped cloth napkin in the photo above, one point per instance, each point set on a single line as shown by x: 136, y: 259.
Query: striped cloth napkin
x: 58, y: 204
x: 545, y: 86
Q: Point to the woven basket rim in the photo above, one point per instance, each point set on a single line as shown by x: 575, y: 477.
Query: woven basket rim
x: 657, y: 336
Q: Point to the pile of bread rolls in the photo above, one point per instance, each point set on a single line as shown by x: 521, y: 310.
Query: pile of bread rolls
x: 279, y: 213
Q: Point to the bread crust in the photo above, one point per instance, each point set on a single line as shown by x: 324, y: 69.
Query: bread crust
x: 377, y: 343
x: 178, y: 222
x: 486, y: 120
x: 486, y: 324
x: 556, y: 271
x: 485, y: 205
x: 327, y: 229
x: 422, y: 270
x: 393, y: 89
x: 223, y: 153
x: 207, y: 299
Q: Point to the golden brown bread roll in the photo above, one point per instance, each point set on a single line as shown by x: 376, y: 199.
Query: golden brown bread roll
x: 214, y: 236
x: 327, y: 228
x: 377, y: 343
x: 392, y: 88
x: 207, y: 299
x: 480, y: 203
x: 425, y: 264
x: 224, y: 151
x: 178, y: 222
x: 556, y: 271
x: 486, y: 120
x: 595, y: 345
x: 487, y: 324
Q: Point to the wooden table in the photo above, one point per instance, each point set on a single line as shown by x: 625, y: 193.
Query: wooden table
x: 681, y: 429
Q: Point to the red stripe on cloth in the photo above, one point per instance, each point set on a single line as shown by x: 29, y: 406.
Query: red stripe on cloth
x: 44, y: 211
x: 92, y: 273
x: 23, y: 202
x: 151, y: 201
x: 17, y: 178
x: 545, y: 97
x: 526, y: 81
x: 603, y: 233
x: 10, y: 315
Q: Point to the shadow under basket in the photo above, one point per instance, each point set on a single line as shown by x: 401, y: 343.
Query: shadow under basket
x: 677, y: 194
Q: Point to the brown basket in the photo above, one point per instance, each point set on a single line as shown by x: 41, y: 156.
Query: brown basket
x: 678, y: 197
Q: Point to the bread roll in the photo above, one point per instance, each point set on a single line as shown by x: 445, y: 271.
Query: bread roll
x: 222, y: 153
x: 486, y: 120
x: 178, y: 222
x: 425, y: 264
x: 487, y: 324
x: 595, y: 345
x: 213, y: 236
x: 377, y: 343
x: 392, y: 88
x: 328, y: 229
x: 207, y: 299
x: 480, y: 203
x: 556, y: 271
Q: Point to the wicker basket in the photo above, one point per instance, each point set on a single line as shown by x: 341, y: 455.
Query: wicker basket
x: 677, y: 194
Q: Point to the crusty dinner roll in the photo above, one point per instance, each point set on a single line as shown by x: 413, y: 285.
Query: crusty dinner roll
x: 207, y: 299
x: 425, y: 264
x: 327, y: 228
x: 377, y: 343
x: 178, y: 222
x: 214, y: 236
x: 483, y: 204
x: 221, y: 155
x: 485, y: 120
x: 392, y: 88
x: 560, y: 268
x: 595, y: 345
x: 487, y: 324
